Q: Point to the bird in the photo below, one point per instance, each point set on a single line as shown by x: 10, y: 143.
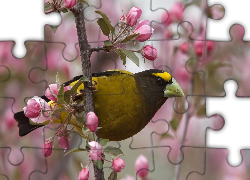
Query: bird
x: 124, y: 102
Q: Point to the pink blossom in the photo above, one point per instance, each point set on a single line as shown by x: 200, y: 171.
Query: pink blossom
x: 84, y: 174
x: 53, y: 88
x: 33, y: 109
x: 118, y: 164
x: 133, y: 15
x: 141, y: 166
x: 47, y: 147
x: 64, y: 141
x: 184, y: 47
x: 210, y: 46
x: 145, y: 31
x: 141, y: 23
x: 149, y: 52
x: 43, y: 113
x: 177, y: 11
x: 92, y: 121
x: 70, y: 3
x: 199, y: 48
x: 95, y: 150
x: 166, y: 19
x: 49, y: 95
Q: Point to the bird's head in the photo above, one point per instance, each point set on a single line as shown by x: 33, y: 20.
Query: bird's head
x: 158, y: 82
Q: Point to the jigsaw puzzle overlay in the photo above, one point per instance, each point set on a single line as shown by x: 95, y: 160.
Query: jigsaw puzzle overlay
x: 175, y: 142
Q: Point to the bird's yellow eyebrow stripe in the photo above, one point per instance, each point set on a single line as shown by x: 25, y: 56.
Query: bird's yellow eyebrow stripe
x: 164, y: 75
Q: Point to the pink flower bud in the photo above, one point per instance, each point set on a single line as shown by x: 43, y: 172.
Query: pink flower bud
x: 141, y: 166
x: 118, y: 164
x: 92, y: 121
x: 133, y: 15
x: 47, y: 147
x: 70, y: 3
x: 49, y: 95
x: 177, y: 11
x: 210, y: 46
x: 53, y: 88
x: 169, y: 34
x: 145, y: 32
x: 63, y: 141
x: 33, y: 109
x: 199, y: 48
x: 184, y: 47
x: 166, y: 19
x: 149, y: 52
x: 95, y: 150
x: 84, y: 174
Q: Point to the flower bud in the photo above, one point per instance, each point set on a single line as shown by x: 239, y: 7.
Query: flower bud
x: 141, y: 166
x: 95, y: 150
x: 199, y: 47
x: 144, y: 30
x: 33, y: 109
x: 184, y: 48
x: 133, y: 15
x: 92, y: 121
x: 166, y: 19
x: 63, y: 141
x: 118, y: 164
x: 70, y: 3
x: 84, y: 174
x: 53, y: 88
x: 210, y: 46
x: 177, y: 11
x: 49, y: 95
x: 149, y: 52
x: 47, y: 147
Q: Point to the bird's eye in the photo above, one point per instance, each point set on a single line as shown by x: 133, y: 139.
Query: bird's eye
x: 159, y: 81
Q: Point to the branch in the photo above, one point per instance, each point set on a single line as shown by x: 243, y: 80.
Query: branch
x: 85, y: 52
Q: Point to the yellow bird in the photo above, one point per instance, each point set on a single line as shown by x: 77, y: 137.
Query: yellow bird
x: 124, y: 102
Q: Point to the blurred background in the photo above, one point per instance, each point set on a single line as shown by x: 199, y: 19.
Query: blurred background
x: 199, y: 66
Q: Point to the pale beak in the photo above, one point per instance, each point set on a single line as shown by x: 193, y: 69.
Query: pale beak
x: 173, y: 90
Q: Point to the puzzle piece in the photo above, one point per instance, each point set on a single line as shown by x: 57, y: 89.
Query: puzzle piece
x: 219, y: 30
x: 29, y: 29
x: 226, y: 107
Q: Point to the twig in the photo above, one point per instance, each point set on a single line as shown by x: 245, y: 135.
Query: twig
x: 85, y: 53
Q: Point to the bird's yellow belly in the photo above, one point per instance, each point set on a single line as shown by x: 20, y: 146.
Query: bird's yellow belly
x: 120, y: 109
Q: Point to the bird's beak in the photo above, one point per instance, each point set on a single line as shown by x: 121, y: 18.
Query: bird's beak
x: 173, y: 90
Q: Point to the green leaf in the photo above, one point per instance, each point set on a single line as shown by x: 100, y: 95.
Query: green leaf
x: 75, y: 150
x: 106, y: 19
x: 98, y: 164
x: 130, y: 37
x: 113, y: 151
x: 83, y: 1
x: 113, y: 176
x: 54, y: 28
x: 67, y: 96
x: 174, y: 123
x: 104, y: 27
x: 131, y: 55
x: 121, y: 55
x: 65, y: 10
x: 103, y: 142
x: 60, y: 95
x: 87, y: 143
x: 78, y: 130
x: 79, y: 82
x: 47, y: 7
x: 107, y: 43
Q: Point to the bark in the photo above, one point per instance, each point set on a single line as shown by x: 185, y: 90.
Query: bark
x: 85, y: 52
